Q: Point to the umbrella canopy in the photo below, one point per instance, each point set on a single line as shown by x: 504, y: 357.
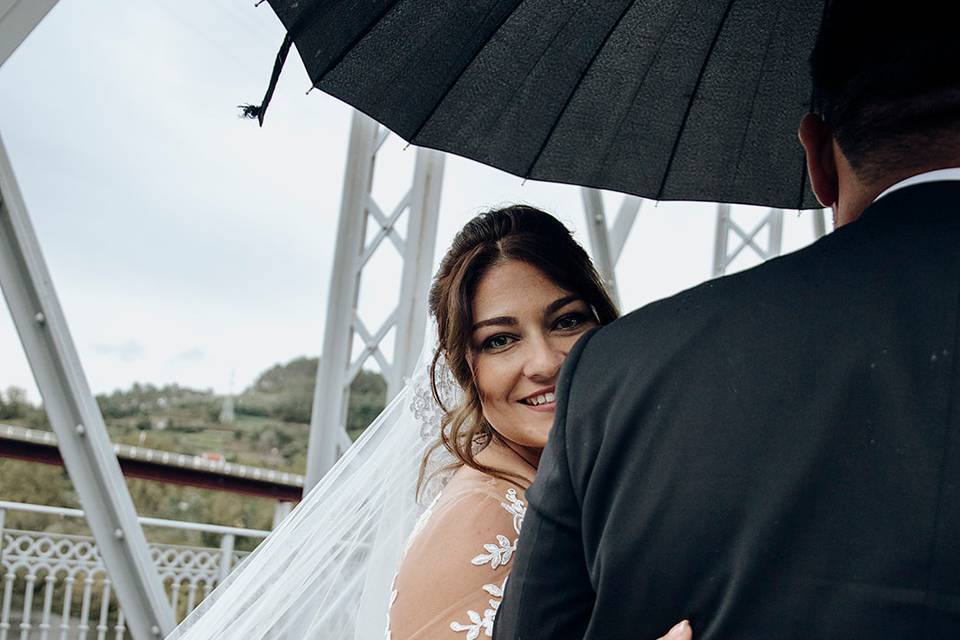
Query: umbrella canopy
x: 665, y: 99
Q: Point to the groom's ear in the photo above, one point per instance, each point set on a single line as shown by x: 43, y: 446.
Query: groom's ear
x: 817, y: 141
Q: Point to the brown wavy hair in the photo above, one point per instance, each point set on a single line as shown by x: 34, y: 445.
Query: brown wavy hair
x: 516, y: 232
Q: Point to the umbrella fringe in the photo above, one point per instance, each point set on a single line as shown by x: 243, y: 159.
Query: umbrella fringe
x: 256, y: 112
x: 250, y: 111
x: 305, y: 19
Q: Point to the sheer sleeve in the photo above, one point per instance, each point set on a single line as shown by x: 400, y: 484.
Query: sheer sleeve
x: 452, y: 578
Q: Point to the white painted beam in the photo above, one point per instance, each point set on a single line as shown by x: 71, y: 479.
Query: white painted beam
x: 417, y: 265
x: 724, y: 254
x: 82, y: 436
x: 17, y: 20
x: 359, y: 209
x: 330, y: 395
x: 606, y: 243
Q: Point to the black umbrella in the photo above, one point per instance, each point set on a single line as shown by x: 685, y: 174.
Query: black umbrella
x: 666, y: 99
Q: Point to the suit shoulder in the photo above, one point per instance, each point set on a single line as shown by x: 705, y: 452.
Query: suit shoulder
x: 780, y: 285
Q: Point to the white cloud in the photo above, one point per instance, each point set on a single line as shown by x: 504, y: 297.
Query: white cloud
x: 189, y: 356
x: 127, y: 351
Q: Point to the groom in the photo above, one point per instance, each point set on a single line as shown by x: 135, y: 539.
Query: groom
x: 776, y: 454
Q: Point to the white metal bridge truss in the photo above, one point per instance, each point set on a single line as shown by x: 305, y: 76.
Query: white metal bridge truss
x: 606, y: 242
x: 360, y: 213
x: 17, y: 20
x: 732, y: 239
x: 364, y: 228
x: 75, y: 417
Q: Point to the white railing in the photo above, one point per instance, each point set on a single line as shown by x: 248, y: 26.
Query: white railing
x: 55, y: 584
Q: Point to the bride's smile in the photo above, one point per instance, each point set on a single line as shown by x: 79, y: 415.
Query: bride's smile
x: 542, y: 400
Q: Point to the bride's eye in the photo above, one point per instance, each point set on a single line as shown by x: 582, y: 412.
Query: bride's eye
x: 570, y: 321
x: 498, y: 341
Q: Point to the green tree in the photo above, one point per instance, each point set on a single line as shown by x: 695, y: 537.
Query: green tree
x: 13, y: 403
x: 368, y: 396
x: 37, y: 483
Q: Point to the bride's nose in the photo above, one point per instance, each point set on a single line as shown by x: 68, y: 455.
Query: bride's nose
x: 543, y: 360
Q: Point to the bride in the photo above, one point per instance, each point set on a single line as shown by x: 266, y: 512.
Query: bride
x: 412, y: 533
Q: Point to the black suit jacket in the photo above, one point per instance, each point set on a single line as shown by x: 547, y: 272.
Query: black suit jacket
x: 773, y: 454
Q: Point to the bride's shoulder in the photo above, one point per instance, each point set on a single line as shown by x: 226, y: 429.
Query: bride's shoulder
x: 462, y: 549
x: 471, y: 505
x: 475, y: 485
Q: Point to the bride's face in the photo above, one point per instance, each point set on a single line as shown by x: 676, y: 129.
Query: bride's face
x: 524, y: 326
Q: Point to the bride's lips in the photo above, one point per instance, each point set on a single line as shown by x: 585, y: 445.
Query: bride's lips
x: 546, y: 407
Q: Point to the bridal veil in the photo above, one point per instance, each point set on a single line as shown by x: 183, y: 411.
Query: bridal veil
x: 327, y: 570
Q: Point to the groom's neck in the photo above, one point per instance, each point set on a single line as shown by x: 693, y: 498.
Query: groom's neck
x: 855, y: 195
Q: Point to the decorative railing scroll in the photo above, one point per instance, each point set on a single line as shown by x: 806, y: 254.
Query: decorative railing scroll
x: 55, y: 586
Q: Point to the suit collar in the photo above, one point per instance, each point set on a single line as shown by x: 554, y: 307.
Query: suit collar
x: 911, y: 202
x: 938, y: 175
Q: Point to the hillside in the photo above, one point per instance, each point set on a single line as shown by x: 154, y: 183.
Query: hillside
x: 269, y: 429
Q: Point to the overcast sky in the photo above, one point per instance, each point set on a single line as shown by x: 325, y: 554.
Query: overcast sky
x: 188, y: 245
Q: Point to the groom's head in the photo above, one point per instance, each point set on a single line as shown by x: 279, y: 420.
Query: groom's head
x: 886, y: 98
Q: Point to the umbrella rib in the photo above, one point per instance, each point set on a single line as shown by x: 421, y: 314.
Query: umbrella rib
x: 693, y: 96
x: 353, y: 43
x: 449, y: 88
x: 753, y: 98
x: 576, y: 85
x: 604, y: 157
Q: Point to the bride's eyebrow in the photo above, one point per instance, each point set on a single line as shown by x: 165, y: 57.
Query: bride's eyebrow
x: 508, y: 321
x: 560, y: 303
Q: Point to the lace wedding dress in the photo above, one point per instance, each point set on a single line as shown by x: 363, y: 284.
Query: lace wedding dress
x: 456, y: 565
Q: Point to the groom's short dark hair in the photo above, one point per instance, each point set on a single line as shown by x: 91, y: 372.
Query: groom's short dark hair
x: 886, y: 79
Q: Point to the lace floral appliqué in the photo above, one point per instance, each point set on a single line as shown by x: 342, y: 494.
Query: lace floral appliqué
x: 429, y: 416
x: 483, y: 623
x: 496, y: 555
